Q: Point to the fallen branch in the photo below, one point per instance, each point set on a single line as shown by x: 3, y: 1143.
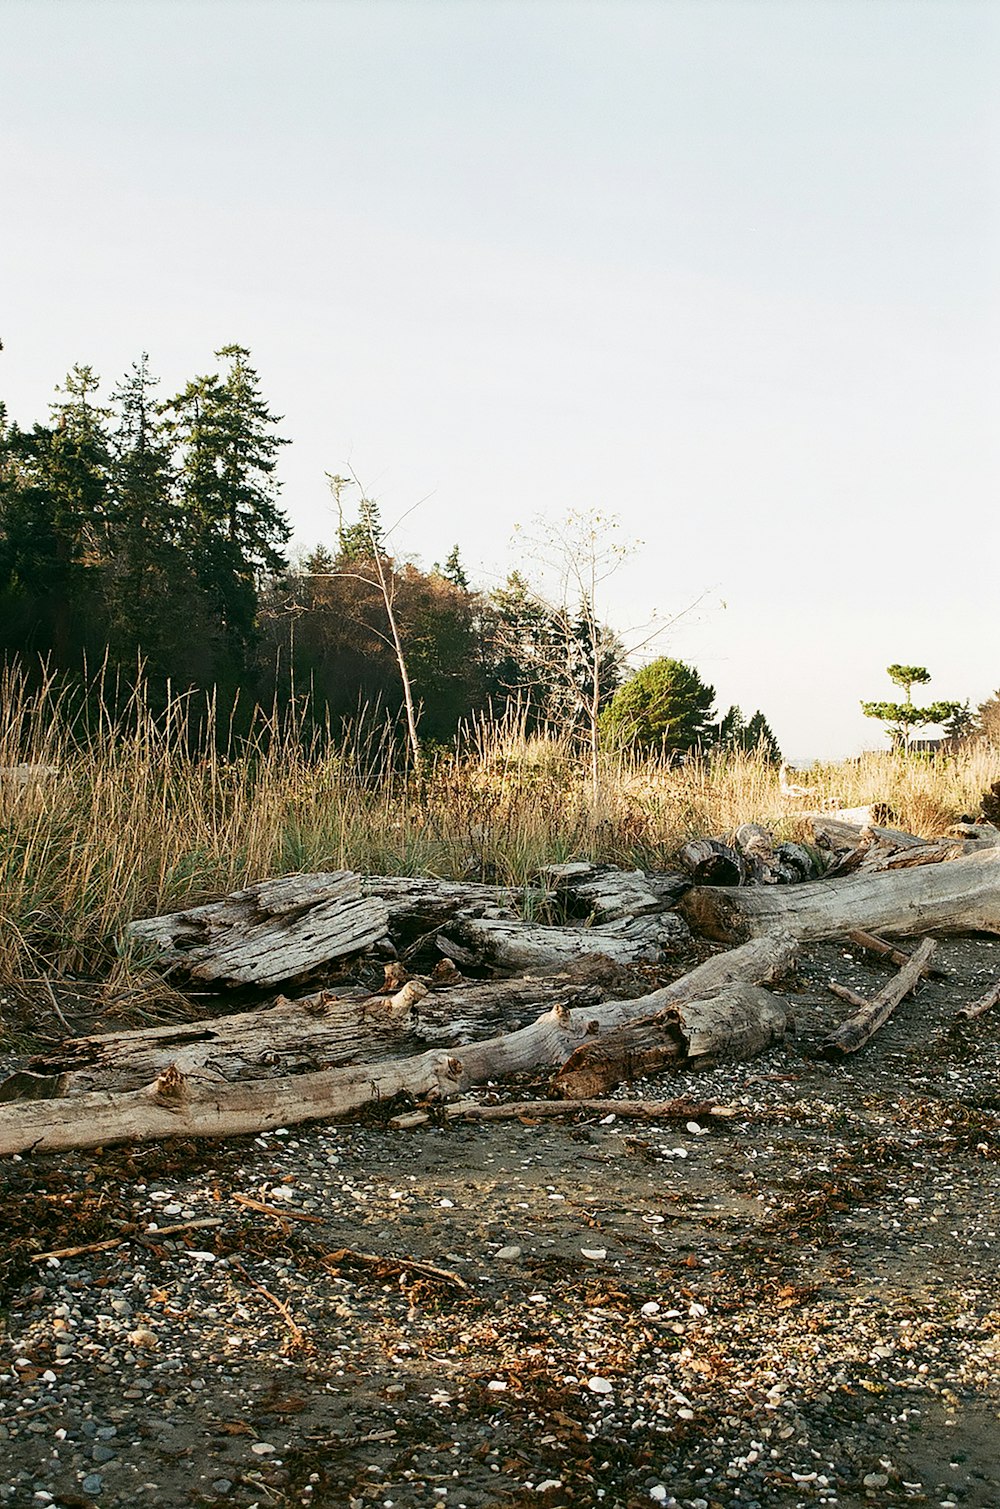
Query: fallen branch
x: 298, y: 1335
x: 860, y: 1028
x: 385, y: 1266
x: 982, y: 1006
x: 879, y: 946
x: 844, y: 993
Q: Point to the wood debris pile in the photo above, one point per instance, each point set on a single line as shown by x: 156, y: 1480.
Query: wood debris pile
x: 483, y: 983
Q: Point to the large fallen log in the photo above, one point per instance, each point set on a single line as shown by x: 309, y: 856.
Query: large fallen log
x: 203, y: 1105
x: 294, y: 1037
x: 285, y: 930
x: 871, y: 1015
x: 512, y: 945
x: 737, y: 1023
x: 959, y: 897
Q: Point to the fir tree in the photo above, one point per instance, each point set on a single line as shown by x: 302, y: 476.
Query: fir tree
x: 234, y: 527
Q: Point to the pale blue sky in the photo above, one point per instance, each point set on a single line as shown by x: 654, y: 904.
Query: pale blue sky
x: 726, y: 268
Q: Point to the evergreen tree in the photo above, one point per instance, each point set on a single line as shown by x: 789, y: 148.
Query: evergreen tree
x: 664, y: 707
x: 454, y: 571
x: 149, y: 582
x: 55, y: 520
x: 732, y: 729
x: 234, y: 526
x: 759, y: 736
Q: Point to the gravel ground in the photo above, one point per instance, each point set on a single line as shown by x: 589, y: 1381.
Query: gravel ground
x: 796, y: 1306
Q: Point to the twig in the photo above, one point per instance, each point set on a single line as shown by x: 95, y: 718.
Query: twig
x: 61, y: 1252
x: 394, y: 1265
x: 980, y: 1007
x: 850, y: 996
x: 272, y: 1210
x: 298, y: 1334
x: 135, y: 1236
x: 55, y: 1004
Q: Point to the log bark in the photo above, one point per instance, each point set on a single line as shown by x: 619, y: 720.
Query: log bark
x: 294, y: 1037
x: 861, y: 1028
x: 201, y: 1105
x: 959, y: 897
x: 738, y: 1023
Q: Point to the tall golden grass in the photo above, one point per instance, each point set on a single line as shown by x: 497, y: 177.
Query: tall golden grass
x: 145, y: 814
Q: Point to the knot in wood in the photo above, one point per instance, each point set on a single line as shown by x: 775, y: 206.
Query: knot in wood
x: 170, y: 1086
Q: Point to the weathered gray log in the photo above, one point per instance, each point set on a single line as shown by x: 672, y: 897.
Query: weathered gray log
x: 276, y: 931
x: 514, y: 945
x: 959, y: 897
x: 710, y: 861
x: 833, y: 831
x: 862, y: 1026
x: 604, y: 894
x: 201, y: 1105
x: 295, y: 1037
x: 737, y: 1023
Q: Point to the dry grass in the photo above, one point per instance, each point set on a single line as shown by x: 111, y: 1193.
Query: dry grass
x: 137, y: 821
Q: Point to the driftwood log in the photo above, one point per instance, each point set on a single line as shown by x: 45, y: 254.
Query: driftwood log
x: 295, y: 1037
x: 281, y: 931
x: 737, y: 1023
x: 871, y: 1015
x: 600, y: 893
x: 268, y: 933
x: 203, y: 1104
x: 962, y: 896
x: 508, y: 944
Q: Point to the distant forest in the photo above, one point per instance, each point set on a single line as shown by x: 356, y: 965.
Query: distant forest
x: 142, y: 529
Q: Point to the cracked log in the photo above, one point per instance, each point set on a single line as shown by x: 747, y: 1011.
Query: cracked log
x: 512, y: 945
x: 203, y: 1105
x: 295, y: 1037
x: 959, y: 897
x: 738, y: 1023
x: 275, y: 931
x: 601, y: 893
x: 285, y: 930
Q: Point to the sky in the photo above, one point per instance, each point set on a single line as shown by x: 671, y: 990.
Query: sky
x: 724, y: 271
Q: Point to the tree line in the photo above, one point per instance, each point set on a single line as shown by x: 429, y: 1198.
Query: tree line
x: 141, y: 529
